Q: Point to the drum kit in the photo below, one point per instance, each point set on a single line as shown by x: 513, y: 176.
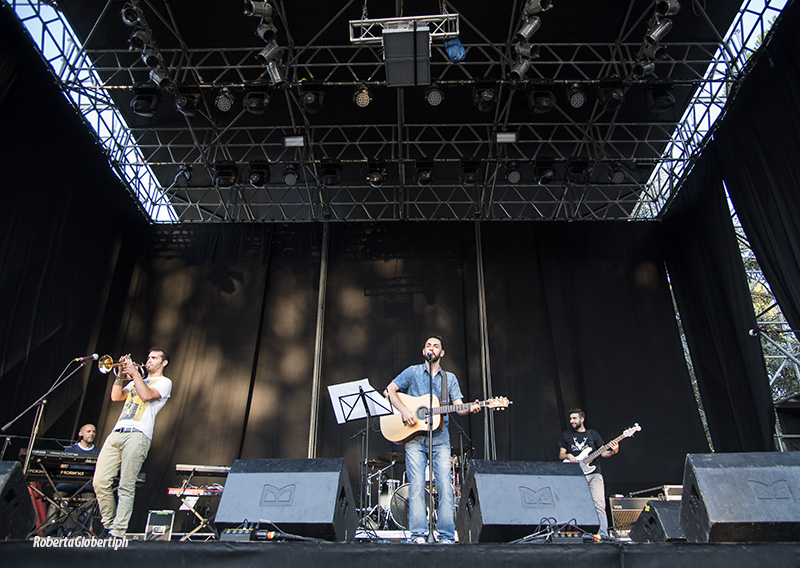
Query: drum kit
x: 389, y: 511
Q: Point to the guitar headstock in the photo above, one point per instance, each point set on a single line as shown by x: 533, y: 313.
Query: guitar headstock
x: 632, y: 430
x: 498, y: 403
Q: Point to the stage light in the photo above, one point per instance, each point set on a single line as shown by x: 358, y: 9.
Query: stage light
x: 187, y: 103
x: 331, y: 171
x: 184, y: 175
x: 275, y: 73
x: 423, y: 172
x: 526, y: 49
x: 362, y: 96
x: 576, y: 96
x: 434, y: 95
x: 131, y: 14
x: 255, y: 102
x: 259, y: 174
x: 530, y: 27
x: 267, y: 31
x: 225, y: 174
x: 611, y: 94
x: 151, y: 57
x: 659, y: 96
x: 532, y: 7
x: 642, y: 69
x: 139, y: 39
x: 470, y: 171
x: 258, y: 9
x: 541, y: 101
x: 270, y: 52
x: 484, y: 98
x: 224, y: 100
x: 658, y: 30
x: 579, y: 172
x: 616, y: 174
x: 146, y: 99
x: 506, y: 137
x: 513, y: 174
x: 312, y: 101
x: 656, y: 52
x: 376, y: 174
x: 520, y: 69
x: 159, y: 77
x: 290, y: 174
x: 668, y: 7
x: 544, y: 171
x: 294, y: 141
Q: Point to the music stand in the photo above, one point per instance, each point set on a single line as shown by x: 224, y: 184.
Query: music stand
x: 356, y: 400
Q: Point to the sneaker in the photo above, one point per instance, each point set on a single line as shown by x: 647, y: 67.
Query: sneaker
x: 418, y: 540
x: 447, y: 541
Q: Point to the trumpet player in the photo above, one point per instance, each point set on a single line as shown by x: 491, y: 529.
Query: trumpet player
x: 126, y: 447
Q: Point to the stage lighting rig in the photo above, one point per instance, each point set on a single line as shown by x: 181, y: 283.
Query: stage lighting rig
x: 258, y: 9
x: 224, y: 100
x: 225, y: 174
x: 131, y: 14
x: 146, y: 99
x: 290, y: 174
x: 184, y: 175
x: 513, y: 173
x: 362, y: 96
x: 376, y: 174
x: 256, y: 102
x: 259, y: 174
x: 423, y: 172
x: 434, y: 95
x: 533, y: 7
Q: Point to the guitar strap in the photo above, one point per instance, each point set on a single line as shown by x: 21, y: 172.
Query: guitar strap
x: 445, y: 393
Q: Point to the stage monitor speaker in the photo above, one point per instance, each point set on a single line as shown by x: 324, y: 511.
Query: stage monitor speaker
x: 742, y: 497
x: 17, y: 516
x: 505, y: 501
x: 303, y: 497
x: 659, y: 521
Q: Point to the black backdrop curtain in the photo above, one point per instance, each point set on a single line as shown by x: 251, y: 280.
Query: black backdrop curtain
x: 710, y: 287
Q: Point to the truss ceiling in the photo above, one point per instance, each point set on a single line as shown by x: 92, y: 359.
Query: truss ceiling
x: 209, y: 45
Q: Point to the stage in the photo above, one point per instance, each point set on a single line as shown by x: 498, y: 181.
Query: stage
x: 385, y: 555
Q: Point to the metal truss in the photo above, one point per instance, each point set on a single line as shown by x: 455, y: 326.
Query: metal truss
x: 366, y: 31
x: 659, y: 154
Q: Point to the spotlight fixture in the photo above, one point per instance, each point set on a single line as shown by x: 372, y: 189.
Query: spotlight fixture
x: 470, y: 171
x: 376, y: 174
x: 362, y: 96
x: 294, y: 141
x: 527, y: 49
x: 484, y: 98
x: 275, y: 73
x: 139, y: 39
x: 513, y: 174
x: 146, y: 99
x: 131, y: 14
x: 617, y: 174
x: 312, y: 101
x: 658, y: 30
x: 267, y: 31
x: 187, y: 103
x: 434, y: 94
x: 656, y: 52
x: 579, y: 172
x: 331, y: 172
x: 667, y: 7
x: 259, y: 174
x: 290, y: 174
x: 576, y: 96
x: 530, y: 27
x: 151, y: 57
x: 611, y: 94
x: 544, y: 171
x: 257, y: 9
x: 540, y: 100
x: 270, y: 52
x: 659, y: 96
x: 642, y: 69
x: 520, y: 69
x: 506, y: 137
x: 184, y: 175
x: 532, y: 7
x: 225, y: 174
x: 255, y: 102
x: 159, y: 77
x: 224, y: 100
x: 423, y: 172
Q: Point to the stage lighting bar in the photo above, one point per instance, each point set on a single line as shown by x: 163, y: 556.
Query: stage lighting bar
x: 441, y: 26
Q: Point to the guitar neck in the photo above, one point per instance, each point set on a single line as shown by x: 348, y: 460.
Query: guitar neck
x: 448, y: 408
x: 602, y: 449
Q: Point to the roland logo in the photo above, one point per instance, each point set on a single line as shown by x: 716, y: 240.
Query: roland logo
x: 768, y: 491
x: 537, y: 498
x: 272, y: 496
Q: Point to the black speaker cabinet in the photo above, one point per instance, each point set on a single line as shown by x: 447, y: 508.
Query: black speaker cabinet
x: 17, y: 516
x: 304, y: 497
x: 659, y: 521
x: 504, y: 501
x: 743, y: 497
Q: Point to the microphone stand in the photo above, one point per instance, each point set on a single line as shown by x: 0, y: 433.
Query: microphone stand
x: 41, y: 402
x: 431, y: 538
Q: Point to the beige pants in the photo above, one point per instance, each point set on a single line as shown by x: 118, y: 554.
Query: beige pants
x: 122, y: 455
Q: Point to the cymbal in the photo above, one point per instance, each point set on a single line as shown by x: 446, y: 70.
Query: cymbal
x: 391, y: 457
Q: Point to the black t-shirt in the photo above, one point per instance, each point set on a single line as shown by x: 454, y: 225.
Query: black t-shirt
x: 575, y: 442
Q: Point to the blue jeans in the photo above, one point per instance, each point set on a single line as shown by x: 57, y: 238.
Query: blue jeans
x: 416, y: 463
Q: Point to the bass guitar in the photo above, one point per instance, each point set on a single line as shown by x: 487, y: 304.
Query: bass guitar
x: 395, y: 430
x: 587, y: 456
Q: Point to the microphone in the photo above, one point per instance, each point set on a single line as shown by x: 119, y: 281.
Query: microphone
x: 754, y: 332
x: 94, y: 356
x: 429, y: 356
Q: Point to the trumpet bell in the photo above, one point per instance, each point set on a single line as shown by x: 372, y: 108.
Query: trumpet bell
x: 106, y: 364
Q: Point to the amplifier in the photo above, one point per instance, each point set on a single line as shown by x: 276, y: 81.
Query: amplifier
x: 625, y: 511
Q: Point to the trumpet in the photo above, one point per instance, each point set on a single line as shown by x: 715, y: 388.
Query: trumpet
x: 106, y: 364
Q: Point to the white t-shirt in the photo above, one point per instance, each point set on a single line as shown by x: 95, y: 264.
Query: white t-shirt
x: 142, y: 415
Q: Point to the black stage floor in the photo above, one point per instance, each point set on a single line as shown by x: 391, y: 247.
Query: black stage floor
x: 391, y: 555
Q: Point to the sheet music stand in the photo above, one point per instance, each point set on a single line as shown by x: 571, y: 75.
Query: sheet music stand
x: 353, y: 401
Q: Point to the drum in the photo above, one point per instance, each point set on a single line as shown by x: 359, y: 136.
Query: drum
x: 398, y: 510
x: 388, y: 487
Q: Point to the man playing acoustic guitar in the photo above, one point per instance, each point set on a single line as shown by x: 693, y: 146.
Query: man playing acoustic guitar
x: 416, y: 381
